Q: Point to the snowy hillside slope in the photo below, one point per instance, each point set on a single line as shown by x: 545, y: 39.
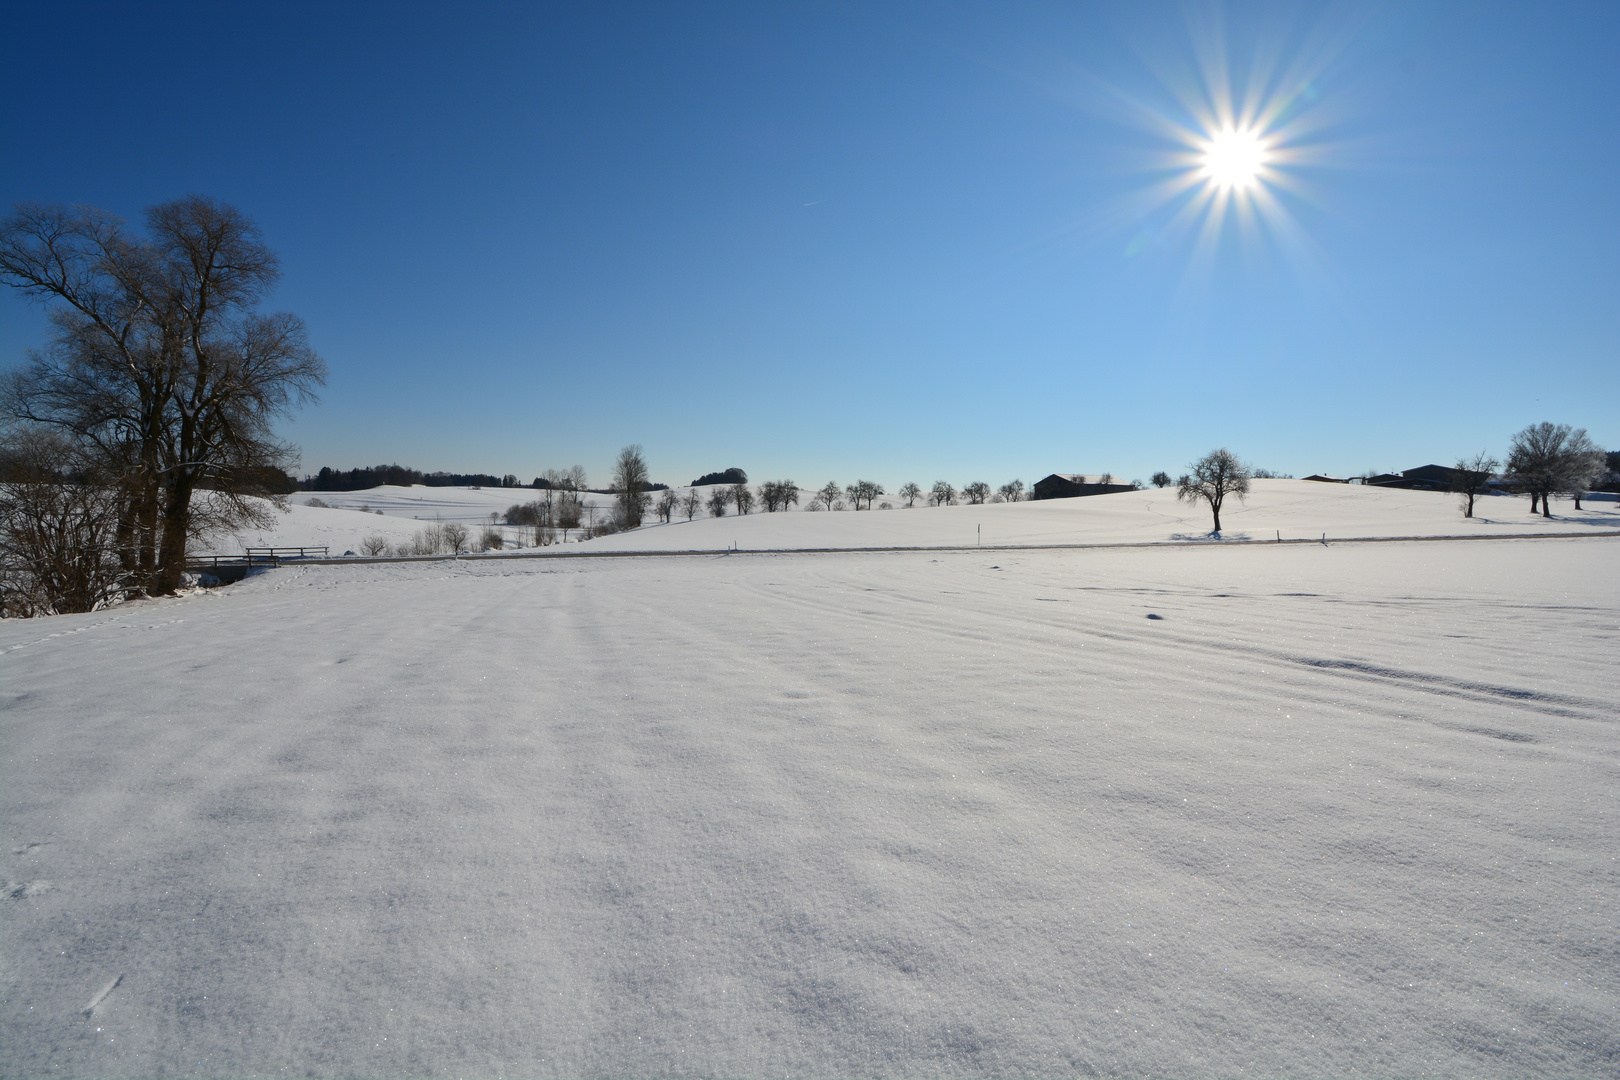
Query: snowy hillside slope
x: 392, y: 512
x: 1293, y: 509
x: 467, y: 505
x: 1324, y: 811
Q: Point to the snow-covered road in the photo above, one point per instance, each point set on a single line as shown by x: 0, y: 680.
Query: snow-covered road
x: 1326, y: 811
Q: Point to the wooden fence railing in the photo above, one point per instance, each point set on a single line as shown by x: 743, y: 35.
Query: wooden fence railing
x: 263, y: 556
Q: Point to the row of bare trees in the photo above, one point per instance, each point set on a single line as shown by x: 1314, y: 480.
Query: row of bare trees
x: 775, y: 495
x: 157, y: 388
x: 973, y: 494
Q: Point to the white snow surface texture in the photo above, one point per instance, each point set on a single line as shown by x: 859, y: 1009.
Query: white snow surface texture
x: 1250, y: 810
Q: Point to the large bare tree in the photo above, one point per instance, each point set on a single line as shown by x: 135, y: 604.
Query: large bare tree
x: 1549, y: 459
x: 1214, y: 476
x: 161, y: 364
x: 630, y: 479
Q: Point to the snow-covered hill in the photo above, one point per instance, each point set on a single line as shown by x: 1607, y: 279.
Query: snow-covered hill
x: 1290, y: 509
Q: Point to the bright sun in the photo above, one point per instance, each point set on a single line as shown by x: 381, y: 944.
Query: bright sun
x: 1233, y: 159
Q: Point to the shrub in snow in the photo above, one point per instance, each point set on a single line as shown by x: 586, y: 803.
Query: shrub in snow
x: 57, y: 546
x: 429, y: 540
x: 569, y: 510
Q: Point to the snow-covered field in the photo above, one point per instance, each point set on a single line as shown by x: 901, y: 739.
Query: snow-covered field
x: 1290, y: 509
x: 1342, y: 810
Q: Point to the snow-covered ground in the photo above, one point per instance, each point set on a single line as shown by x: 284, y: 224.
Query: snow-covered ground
x: 1290, y: 509
x: 1181, y: 811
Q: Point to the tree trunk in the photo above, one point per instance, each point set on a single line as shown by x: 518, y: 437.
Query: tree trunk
x: 125, y: 537
x: 146, y: 532
x: 1217, y: 512
x: 176, y: 523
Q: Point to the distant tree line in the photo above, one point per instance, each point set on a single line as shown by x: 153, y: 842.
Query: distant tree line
x: 329, y: 479
x: 731, y: 476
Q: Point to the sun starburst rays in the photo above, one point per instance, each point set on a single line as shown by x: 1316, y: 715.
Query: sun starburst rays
x: 1238, y: 141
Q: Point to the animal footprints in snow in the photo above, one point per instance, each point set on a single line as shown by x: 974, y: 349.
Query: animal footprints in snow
x: 26, y: 890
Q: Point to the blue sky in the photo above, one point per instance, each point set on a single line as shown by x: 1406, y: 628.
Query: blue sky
x: 892, y: 241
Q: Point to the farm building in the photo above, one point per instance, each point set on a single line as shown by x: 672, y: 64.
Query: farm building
x: 1071, y: 485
